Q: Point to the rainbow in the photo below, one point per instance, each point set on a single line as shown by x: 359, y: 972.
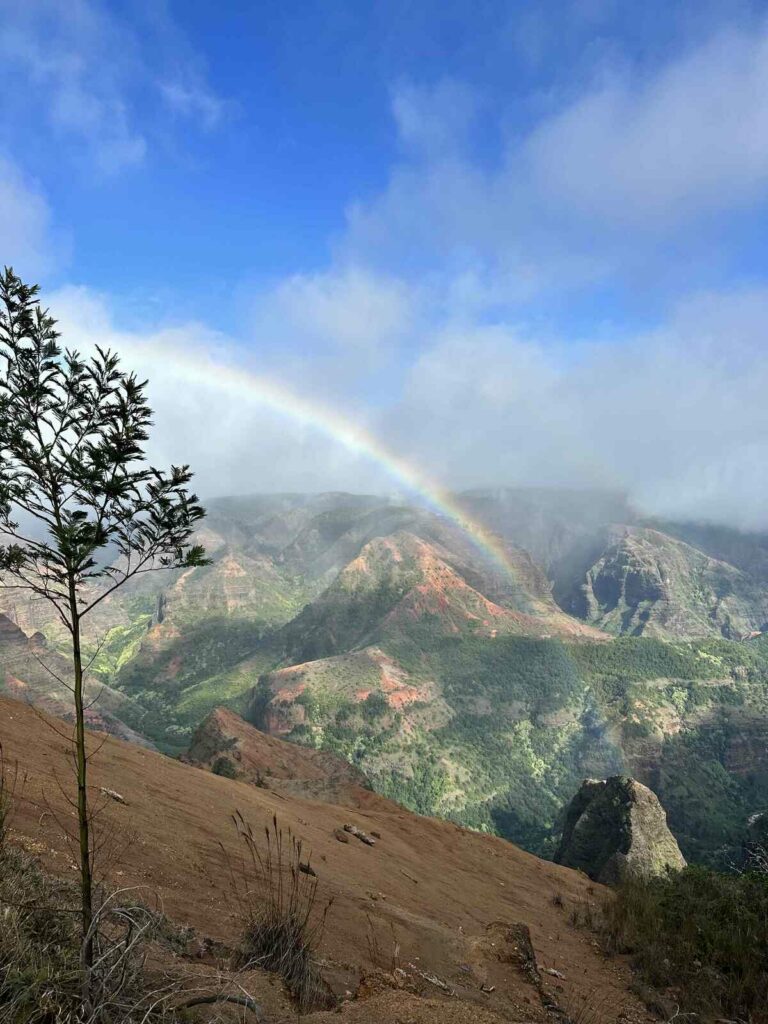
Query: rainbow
x: 351, y: 435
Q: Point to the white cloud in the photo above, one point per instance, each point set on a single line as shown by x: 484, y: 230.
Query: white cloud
x: 26, y: 241
x: 676, y: 417
x: 92, y: 75
x: 348, y: 306
x: 234, y: 440
x: 691, y: 138
x: 625, y: 178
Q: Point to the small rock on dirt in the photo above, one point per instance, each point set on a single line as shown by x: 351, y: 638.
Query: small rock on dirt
x: 117, y: 797
x: 359, y: 834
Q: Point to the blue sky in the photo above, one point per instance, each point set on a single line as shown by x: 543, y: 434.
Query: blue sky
x: 522, y: 242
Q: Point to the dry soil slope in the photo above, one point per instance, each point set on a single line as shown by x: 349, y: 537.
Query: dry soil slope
x: 440, y: 887
x: 224, y: 742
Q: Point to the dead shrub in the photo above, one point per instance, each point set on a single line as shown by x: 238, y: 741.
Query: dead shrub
x: 377, y: 954
x: 284, y: 918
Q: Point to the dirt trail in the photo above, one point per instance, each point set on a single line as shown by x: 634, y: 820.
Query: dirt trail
x: 446, y: 896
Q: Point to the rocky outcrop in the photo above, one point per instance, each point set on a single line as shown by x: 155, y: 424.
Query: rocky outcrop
x: 616, y: 828
x: 227, y: 745
x: 646, y: 582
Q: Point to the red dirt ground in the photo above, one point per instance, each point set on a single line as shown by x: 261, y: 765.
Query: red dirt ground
x: 445, y: 895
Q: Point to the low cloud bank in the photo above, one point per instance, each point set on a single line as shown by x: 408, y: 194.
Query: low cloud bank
x: 676, y: 417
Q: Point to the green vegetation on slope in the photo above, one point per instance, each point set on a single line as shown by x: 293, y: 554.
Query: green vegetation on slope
x: 501, y: 729
x: 526, y: 719
x: 176, y: 683
x: 701, y: 934
x: 516, y: 747
x: 120, y: 644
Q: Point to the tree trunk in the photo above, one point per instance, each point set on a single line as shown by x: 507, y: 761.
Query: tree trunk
x: 81, y: 761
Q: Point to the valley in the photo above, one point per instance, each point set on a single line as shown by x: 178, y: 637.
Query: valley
x: 380, y: 632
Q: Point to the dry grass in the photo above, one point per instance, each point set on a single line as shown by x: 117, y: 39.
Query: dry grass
x: 40, y: 958
x: 8, y: 782
x: 587, y: 914
x: 41, y: 971
x: 284, y: 917
x: 582, y: 1008
x: 39, y: 944
x: 40, y: 953
x: 387, y: 956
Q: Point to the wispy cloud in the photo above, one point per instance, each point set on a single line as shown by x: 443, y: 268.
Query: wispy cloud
x: 192, y: 99
x: 25, y: 224
x: 87, y: 71
x: 71, y: 59
x: 435, y: 120
x: 657, y: 152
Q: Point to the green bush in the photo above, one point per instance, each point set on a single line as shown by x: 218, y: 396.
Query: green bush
x: 422, y: 791
x: 375, y: 705
x: 701, y: 934
x: 224, y: 767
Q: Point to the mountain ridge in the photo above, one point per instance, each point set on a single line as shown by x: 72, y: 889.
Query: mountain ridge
x: 383, y: 633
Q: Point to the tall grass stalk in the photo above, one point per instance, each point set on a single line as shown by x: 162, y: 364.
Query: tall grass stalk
x: 284, y: 917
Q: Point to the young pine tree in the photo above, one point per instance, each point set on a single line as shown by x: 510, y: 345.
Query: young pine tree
x: 81, y: 511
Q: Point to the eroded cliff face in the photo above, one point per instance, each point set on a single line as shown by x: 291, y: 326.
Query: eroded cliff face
x: 616, y: 828
x: 646, y: 582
